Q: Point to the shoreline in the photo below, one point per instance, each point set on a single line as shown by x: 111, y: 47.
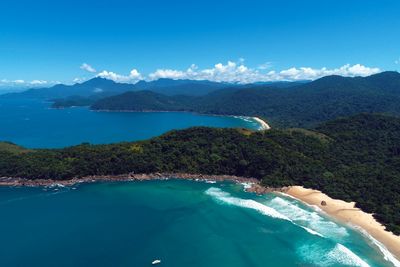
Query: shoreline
x: 263, y: 124
x: 347, y: 213
x: 21, y: 182
x: 344, y: 212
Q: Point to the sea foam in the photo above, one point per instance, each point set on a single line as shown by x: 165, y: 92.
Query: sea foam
x: 308, y: 219
x: 245, y: 203
x: 338, y: 255
x: 386, y: 253
x: 226, y: 198
x: 345, y: 256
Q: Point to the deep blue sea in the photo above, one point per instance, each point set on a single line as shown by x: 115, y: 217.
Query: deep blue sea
x: 33, y: 124
x: 182, y: 223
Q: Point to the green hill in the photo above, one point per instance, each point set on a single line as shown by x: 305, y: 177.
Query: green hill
x: 11, y: 148
x: 303, y: 105
x: 355, y: 159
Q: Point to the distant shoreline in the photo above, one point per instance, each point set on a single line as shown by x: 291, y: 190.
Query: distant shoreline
x: 9, y: 181
x: 263, y: 124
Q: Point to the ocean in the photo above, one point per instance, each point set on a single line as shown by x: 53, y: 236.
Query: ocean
x: 33, y: 124
x: 181, y: 223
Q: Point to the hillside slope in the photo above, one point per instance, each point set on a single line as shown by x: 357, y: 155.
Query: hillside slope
x: 354, y: 159
x: 303, y: 105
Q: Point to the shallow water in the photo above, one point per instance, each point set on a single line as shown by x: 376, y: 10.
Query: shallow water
x: 183, y: 223
x: 31, y: 123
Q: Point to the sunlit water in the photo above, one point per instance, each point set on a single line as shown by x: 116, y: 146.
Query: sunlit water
x: 32, y: 123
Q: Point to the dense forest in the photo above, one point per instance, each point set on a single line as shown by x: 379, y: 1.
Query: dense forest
x: 297, y: 105
x: 355, y: 159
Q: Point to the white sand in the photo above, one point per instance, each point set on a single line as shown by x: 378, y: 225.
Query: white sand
x: 346, y: 212
x: 264, y: 125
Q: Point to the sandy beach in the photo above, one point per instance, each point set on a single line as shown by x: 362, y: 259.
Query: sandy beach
x: 263, y: 124
x: 347, y: 213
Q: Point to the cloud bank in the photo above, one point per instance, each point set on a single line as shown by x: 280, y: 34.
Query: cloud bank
x: 233, y: 72
x: 239, y: 73
x: 88, y: 68
x: 133, y: 77
x: 23, y: 83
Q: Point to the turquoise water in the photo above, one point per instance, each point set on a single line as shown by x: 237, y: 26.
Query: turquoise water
x: 31, y: 123
x: 182, y: 223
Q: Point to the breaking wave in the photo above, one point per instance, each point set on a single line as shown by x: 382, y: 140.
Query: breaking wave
x: 338, y: 255
x: 252, y: 204
x: 245, y: 203
x: 309, y: 219
x: 386, y: 253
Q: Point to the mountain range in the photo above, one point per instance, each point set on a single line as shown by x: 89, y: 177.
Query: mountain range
x: 300, y: 105
x: 282, y: 104
x: 100, y: 87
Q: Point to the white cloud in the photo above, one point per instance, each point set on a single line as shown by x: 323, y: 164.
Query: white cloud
x: 133, y: 77
x: 239, y: 73
x: 79, y: 79
x: 232, y: 72
x: 87, y: 68
x: 397, y: 61
x: 265, y: 65
x: 23, y: 83
x: 38, y: 82
x: 167, y: 73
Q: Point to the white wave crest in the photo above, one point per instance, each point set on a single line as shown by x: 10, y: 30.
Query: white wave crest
x: 247, y: 185
x: 311, y: 231
x: 338, y: 255
x: 309, y: 219
x: 245, y: 203
x: 345, y: 256
x: 386, y: 253
x: 252, y: 204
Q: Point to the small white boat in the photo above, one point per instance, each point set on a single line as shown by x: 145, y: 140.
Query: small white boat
x: 156, y: 262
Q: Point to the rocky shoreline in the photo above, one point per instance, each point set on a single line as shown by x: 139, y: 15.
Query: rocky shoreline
x: 250, y: 185
x: 253, y: 184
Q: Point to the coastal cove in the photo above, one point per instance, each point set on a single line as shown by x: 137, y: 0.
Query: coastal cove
x: 385, y: 242
x: 274, y: 228
x: 335, y: 158
x: 33, y: 124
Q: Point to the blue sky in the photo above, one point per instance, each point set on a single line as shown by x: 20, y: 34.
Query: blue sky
x: 50, y: 40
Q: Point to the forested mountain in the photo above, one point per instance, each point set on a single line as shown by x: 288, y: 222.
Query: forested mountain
x: 303, y: 105
x: 355, y: 159
x: 145, y: 101
x: 88, y: 92
x: 95, y: 86
x: 181, y: 87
